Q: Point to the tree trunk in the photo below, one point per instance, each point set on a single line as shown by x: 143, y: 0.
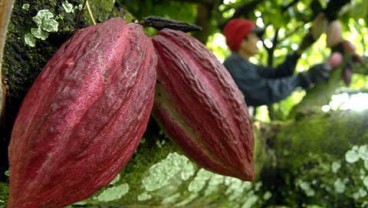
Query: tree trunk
x: 204, y: 12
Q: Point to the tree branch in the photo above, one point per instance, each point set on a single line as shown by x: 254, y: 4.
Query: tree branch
x: 333, y: 8
x: 246, y: 8
x: 241, y: 11
x: 203, y: 19
x: 271, y: 50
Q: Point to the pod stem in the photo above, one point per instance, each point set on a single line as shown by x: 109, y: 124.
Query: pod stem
x: 161, y: 23
x: 90, y: 12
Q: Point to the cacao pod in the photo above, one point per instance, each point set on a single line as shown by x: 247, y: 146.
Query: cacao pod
x: 335, y: 60
x: 199, y: 106
x: 348, y: 47
x: 347, y: 74
x: 83, y: 117
x: 333, y: 33
x: 319, y: 25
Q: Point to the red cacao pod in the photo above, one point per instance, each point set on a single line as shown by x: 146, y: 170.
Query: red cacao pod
x: 348, y: 47
x: 83, y: 117
x: 333, y: 33
x: 199, y: 106
x: 335, y: 60
x: 347, y: 74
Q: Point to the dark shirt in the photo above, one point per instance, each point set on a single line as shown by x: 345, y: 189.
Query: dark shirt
x: 263, y: 85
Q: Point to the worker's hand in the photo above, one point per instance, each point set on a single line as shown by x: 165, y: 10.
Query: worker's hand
x: 316, y: 74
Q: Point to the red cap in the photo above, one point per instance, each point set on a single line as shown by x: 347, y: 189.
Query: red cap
x: 236, y: 30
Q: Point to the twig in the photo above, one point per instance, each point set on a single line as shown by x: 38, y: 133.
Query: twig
x: 247, y: 8
x: 90, y: 12
x: 161, y: 23
x: 5, y: 13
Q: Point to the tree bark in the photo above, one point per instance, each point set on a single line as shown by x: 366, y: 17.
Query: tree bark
x: 5, y: 13
x: 204, y: 14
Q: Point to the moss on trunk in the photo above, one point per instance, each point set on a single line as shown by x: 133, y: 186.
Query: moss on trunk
x: 312, y: 163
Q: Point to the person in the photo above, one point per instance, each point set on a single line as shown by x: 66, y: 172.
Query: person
x: 264, y: 85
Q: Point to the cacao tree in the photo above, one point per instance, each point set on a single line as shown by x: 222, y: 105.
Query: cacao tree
x: 309, y: 151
